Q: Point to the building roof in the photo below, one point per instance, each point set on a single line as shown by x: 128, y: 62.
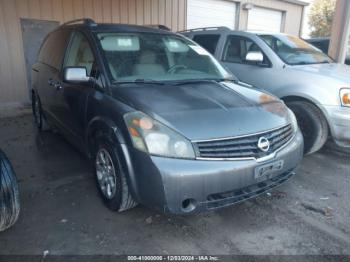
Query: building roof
x: 297, y: 2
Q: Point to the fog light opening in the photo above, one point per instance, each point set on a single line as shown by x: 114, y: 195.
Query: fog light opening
x: 188, y: 205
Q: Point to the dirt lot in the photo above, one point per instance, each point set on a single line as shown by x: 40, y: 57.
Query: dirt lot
x: 62, y: 212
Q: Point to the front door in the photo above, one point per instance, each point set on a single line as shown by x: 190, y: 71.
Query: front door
x: 72, y: 98
x: 233, y: 58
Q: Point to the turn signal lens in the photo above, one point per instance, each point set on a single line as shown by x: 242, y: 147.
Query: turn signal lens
x: 345, y: 96
x: 133, y: 131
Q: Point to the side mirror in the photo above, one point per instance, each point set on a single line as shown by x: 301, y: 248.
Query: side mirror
x: 254, y: 57
x: 75, y: 74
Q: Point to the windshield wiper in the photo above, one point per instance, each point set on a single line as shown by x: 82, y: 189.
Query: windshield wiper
x: 303, y: 63
x: 140, y: 81
x: 189, y: 81
x: 312, y: 63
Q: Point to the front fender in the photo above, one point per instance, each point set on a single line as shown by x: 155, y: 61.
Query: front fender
x: 105, y: 128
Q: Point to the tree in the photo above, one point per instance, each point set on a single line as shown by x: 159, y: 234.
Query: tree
x: 321, y: 17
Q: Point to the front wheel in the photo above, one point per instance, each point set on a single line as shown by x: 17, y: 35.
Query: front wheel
x: 312, y: 123
x: 111, y: 180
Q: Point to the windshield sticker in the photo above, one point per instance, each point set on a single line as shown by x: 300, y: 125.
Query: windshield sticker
x: 125, y: 42
x: 199, y: 50
x: 115, y: 42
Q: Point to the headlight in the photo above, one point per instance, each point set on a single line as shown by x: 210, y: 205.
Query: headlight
x: 293, y: 120
x: 153, y: 137
x: 345, y: 96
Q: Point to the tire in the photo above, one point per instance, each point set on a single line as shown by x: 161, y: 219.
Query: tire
x: 119, y: 198
x: 38, y: 115
x: 9, y: 194
x: 312, y: 123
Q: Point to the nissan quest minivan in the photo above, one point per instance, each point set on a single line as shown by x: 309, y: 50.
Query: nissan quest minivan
x: 165, y: 125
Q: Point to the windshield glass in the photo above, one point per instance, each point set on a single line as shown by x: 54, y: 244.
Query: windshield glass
x: 294, y: 51
x: 157, y: 57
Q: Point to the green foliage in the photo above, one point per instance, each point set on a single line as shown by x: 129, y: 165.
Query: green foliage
x: 321, y: 17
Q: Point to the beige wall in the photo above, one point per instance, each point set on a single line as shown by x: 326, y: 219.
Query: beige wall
x: 13, y: 83
x: 292, y: 18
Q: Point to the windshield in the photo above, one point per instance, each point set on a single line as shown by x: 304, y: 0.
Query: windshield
x: 157, y: 57
x: 294, y: 51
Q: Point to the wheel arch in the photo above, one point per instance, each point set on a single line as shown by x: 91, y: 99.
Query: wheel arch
x: 102, y: 127
x: 105, y: 128
x: 291, y: 98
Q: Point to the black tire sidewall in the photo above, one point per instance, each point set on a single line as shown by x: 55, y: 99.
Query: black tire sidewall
x: 9, y: 194
x: 115, y: 202
x: 312, y: 125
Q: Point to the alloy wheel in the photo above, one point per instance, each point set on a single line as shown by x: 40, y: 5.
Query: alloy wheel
x: 106, y: 173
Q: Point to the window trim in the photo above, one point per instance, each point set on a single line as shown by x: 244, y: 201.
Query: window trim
x: 59, y: 68
x: 268, y: 65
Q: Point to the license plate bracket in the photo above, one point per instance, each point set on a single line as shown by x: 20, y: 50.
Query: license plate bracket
x: 267, y: 170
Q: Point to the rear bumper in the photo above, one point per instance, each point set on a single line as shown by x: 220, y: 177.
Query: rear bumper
x: 184, y: 186
x: 339, y: 124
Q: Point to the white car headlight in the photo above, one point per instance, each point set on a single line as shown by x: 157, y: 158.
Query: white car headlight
x: 153, y: 137
x: 345, y: 96
x: 293, y: 120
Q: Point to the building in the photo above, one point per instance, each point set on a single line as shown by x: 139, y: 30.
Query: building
x: 24, y: 23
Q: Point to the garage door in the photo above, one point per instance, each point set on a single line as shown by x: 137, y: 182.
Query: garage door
x: 264, y: 19
x: 204, y: 13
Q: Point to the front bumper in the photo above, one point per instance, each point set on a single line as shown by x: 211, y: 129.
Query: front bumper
x: 184, y: 186
x: 339, y: 124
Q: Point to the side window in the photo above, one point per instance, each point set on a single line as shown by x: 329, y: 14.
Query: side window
x: 209, y: 42
x: 80, y: 53
x: 52, y: 51
x: 236, y: 49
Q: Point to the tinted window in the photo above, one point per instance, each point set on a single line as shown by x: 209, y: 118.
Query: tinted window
x: 209, y: 42
x: 53, y: 49
x: 322, y: 45
x: 80, y: 53
x: 236, y: 49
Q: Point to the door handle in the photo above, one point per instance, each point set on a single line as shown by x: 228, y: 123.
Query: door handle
x: 57, y: 85
x: 50, y: 82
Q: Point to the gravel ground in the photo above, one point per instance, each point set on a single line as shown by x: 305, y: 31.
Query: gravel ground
x: 63, y: 214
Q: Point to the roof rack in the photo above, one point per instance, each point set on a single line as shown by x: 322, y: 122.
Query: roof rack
x: 162, y: 27
x: 84, y: 21
x: 206, y: 29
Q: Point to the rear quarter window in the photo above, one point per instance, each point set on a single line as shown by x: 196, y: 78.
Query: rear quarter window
x: 53, y: 49
x: 209, y: 42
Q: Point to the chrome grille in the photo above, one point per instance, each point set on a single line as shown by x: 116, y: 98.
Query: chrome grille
x: 245, y: 146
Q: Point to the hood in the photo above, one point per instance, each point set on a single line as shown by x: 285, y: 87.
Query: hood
x: 206, y: 110
x: 334, y: 71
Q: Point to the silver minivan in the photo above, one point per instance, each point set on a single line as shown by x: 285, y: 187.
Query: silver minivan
x: 310, y: 83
